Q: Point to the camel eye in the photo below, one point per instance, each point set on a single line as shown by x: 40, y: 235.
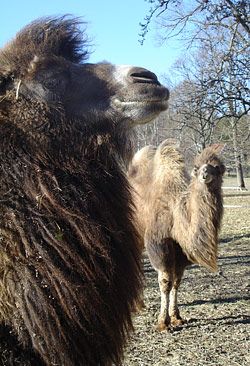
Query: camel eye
x: 52, y: 83
x: 56, y: 83
x: 53, y: 80
x: 195, y: 170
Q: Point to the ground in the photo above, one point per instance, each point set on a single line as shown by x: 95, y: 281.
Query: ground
x: 216, y: 305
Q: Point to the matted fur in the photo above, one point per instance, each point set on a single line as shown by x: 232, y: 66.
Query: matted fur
x: 179, y: 216
x: 199, y: 211
x: 70, y: 271
x: 59, y: 37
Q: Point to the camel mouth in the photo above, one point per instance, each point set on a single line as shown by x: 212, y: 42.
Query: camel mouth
x: 205, y: 178
x: 205, y: 175
x: 143, y: 95
x: 141, y: 102
x: 163, y: 102
x: 141, y: 111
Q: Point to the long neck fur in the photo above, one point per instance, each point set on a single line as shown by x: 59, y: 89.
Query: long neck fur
x: 72, y: 272
x: 197, y: 219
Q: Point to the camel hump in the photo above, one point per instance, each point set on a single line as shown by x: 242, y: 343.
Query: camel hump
x: 144, y: 154
x: 141, y: 162
x: 168, y: 152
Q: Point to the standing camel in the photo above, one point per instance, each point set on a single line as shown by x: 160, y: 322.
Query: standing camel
x: 179, y: 216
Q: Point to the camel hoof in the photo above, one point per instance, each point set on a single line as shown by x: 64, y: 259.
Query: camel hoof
x: 139, y: 306
x: 161, y: 327
x: 177, y: 322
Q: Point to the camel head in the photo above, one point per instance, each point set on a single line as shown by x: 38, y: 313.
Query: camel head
x: 44, y: 69
x: 209, y: 168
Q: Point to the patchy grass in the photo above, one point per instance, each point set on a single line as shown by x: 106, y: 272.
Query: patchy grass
x: 236, y: 221
x: 216, y: 306
x: 230, y: 187
x: 232, y: 182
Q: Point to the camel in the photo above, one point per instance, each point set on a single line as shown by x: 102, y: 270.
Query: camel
x: 70, y: 271
x: 179, y: 216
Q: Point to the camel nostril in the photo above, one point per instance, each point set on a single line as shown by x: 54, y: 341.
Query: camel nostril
x: 141, y: 75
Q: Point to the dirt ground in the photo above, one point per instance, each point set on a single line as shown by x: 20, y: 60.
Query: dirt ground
x: 216, y: 306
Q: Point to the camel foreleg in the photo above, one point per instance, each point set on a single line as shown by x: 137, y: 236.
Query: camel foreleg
x: 181, y: 263
x: 165, y: 284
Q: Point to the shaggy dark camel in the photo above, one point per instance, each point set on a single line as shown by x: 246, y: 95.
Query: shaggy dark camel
x: 69, y: 263
x: 179, y: 217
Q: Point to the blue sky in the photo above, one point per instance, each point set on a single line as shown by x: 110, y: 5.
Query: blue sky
x: 113, y: 28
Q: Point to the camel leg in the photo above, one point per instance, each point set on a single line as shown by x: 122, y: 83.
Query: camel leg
x: 174, y: 313
x: 161, y: 256
x: 181, y: 262
x: 165, y: 284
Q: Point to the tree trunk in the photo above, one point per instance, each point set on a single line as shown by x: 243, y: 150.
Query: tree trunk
x: 237, y: 159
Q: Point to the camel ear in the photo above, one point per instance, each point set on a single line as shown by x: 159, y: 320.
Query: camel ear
x: 222, y: 169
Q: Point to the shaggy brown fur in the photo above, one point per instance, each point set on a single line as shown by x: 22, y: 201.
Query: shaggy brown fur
x: 179, y: 218
x: 69, y: 262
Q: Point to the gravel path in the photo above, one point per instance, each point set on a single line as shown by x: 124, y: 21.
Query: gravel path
x: 216, y: 306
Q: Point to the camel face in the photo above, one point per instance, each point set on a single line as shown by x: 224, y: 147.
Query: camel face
x: 205, y: 173
x: 126, y: 92
x: 89, y: 92
x: 139, y: 96
x: 208, y: 173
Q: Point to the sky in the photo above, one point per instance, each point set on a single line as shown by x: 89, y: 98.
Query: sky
x: 113, y: 29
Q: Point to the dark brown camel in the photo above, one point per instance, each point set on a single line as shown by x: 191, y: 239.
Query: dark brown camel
x: 179, y: 217
x: 69, y: 262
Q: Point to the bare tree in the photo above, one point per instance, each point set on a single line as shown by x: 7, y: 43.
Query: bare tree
x: 228, y: 82
x: 192, y: 106
x: 187, y: 18
x: 214, y: 83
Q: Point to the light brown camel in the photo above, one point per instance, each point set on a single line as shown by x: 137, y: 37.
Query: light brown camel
x: 179, y: 216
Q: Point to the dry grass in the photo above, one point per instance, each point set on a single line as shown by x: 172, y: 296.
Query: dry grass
x: 215, y: 305
x: 232, y: 182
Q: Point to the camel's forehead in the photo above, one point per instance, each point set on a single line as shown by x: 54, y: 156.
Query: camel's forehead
x: 214, y: 161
